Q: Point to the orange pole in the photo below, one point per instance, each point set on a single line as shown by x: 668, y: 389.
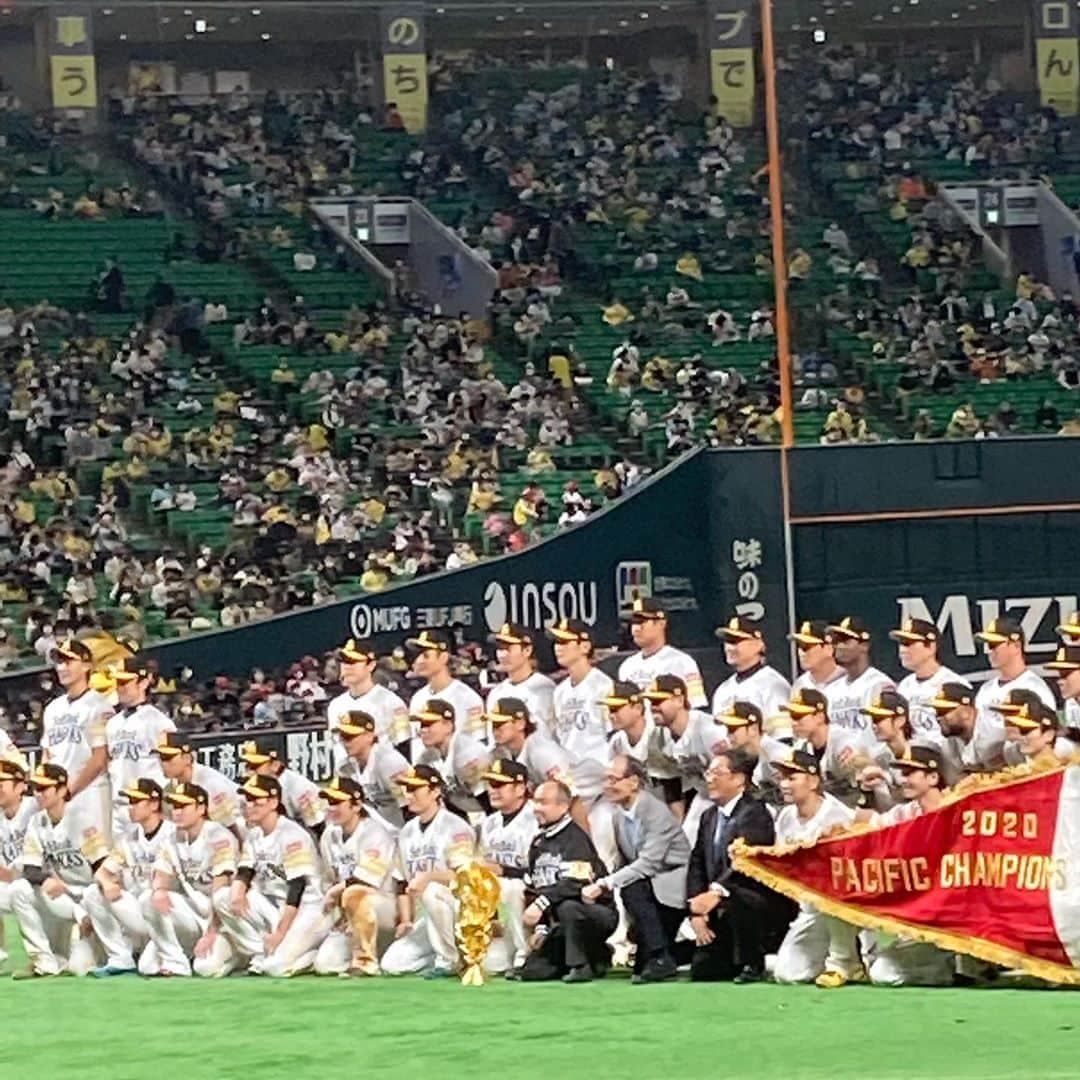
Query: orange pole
x: 776, y: 210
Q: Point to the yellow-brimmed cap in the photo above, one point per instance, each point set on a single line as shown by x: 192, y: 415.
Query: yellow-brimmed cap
x: 342, y: 789
x: 356, y: 652
x: 356, y: 722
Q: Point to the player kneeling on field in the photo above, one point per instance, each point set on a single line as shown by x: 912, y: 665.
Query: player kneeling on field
x: 121, y: 886
x: 17, y: 808
x: 197, y: 861
x: 358, y: 850
x: 272, y: 914
x: 63, y: 848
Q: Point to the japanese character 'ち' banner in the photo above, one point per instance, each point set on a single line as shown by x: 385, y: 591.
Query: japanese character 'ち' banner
x: 731, y: 60
x: 404, y: 53
x: 993, y: 873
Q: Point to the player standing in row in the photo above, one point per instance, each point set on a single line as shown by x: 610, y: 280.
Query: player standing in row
x: 300, y: 797
x: 198, y: 861
x: 515, y: 655
x: 1065, y: 667
x: 517, y: 738
x: 649, y: 629
x: 180, y: 767
x: 861, y: 684
x: 636, y: 735
x: 432, y: 664
x: 815, y: 650
x: 132, y: 734
x: 460, y: 758
x: 375, y: 765
x: 73, y: 734
x: 1004, y: 642
x: 917, y: 641
x: 753, y: 679
x: 358, y: 853
x: 356, y: 669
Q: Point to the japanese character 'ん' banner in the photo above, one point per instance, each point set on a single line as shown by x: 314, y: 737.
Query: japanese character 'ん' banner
x: 993, y: 873
x: 404, y: 52
x: 731, y: 59
x: 71, y: 58
x: 1057, y: 55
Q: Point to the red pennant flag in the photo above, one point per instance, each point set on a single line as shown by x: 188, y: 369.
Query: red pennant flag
x: 993, y: 873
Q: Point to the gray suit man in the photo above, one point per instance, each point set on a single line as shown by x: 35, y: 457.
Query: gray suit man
x: 651, y: 878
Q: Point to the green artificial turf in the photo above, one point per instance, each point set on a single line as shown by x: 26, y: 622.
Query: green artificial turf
x: 133, y: 1029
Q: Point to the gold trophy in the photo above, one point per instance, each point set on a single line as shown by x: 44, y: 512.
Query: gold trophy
x: 477, y: 890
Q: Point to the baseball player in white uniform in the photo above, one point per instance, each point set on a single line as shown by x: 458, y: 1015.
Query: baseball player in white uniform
x: 636, y: 734
x: 196, y: 862
x: 973, y: 742
x: 376, y: 766
x: 432, y: 663
x: 132, y: 735
x: 461, y: 758
x: 744, y: 724
x: 649, y: 629
x: 917, y: 641
x: 1003, y: 639
x: 358, y: 853
x: 816, y: 948
x: 273, y: 913
x: 1031, y: 733
x: 16, y: 810
x: 901, y: 961
x: 180, y: 767
x: 64, y: 846
x: 362, y: 693
x: 861, y: 683
x: 1065, y: 667
x: 121, y: 888
x: 505, y: 837
x: 300, y: 797
x: 837, y: 750
x: 517, y: 738
x: 691, y: 739
x: 73, y: 733
x: 816, y: 653
x: 431, y: 846
x: 514, y: 655
x: 753, y: 679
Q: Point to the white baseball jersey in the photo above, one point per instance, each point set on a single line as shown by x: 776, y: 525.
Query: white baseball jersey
x: 10, y: 751
x: 68, y: 849
x: 544, y: 758
x: 693, y: 749
x: 461, y: 767
x: 72, y: 729
x: 224, y: 805
x: 301, y: 799
x: 762, y: 686
x: 994, y: 691
x: 650, y: 750
x: 367, y: 856
x: 280, y: 857
x: 131, y: 736
x: 791, y: 829
x: 919, y: 693
x: 194, y: 863
x: 848, y: 696
x: 667, y: 660
x: 537, y: 691
x: 983, y: 752
x: 390, y: 713
x: 505, y: 841
x: 13, y: 832
x: 581, y: 728
x: 376, y: 777
x: 134, y: 858
x: 468, y: 706
x: 444, y: 843
x: 905, y: 811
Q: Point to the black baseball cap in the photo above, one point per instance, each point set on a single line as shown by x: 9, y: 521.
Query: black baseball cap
x: 951, y: 695
x: 915, y: 630
x: 422, y: 776
x: 131, y: 668
x: 1015, y: 700
x: 186, y: 794
x: 813, y: 632
x: 435, y: 710
x: 622, y: 693
x: 258, y: 786
x: 172, y: 743
x: 664, y: 687
x: 647, y: 609
x: 798, y: 760
x: 1003, y: 628
x: 73, y: 649
x: 11, y: 770
x: 258, y: 752
x: 925, y: 758
x: 738, y: 628
x: 343, y: 789
x: 740, y: 714
x: 1031, y: 715
x: 355, y: 722
x: 1066, y: 659
x: 571, y: 630
x: 437, y: 640
x: 142, y: 790
x: 504, y: 771
x: 851, y: 627
x: 513, y: 634
x: 806, y: 701
x: 506, y: 709
x: 887, y: 703
x: 48, y: 774
x: 356, y: 652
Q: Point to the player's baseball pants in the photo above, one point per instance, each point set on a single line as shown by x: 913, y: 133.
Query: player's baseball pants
x: 431, y: 941
x: 95, y: 802
x: 512, y: 947
x: 816, y: 943
x: 602, y: 831
x: 50, y: 930
x: 341, y: 946
x: 121, y: 929
x: 245, y: 933
x: 911, y: 963
x: 175, y: 935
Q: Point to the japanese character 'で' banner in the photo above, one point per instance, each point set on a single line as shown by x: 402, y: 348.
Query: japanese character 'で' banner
x: 731, y: 60
x: 993, y: 873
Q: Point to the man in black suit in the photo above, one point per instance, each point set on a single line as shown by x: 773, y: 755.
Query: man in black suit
x: 728, y: 910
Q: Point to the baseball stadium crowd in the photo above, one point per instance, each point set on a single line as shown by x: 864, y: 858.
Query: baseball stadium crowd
x: 603, y: 809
